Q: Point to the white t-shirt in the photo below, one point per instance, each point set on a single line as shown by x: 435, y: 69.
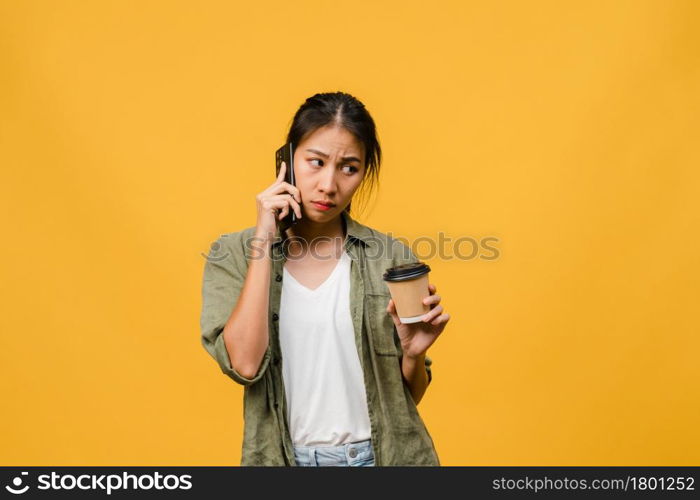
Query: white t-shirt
x: 323, y: 380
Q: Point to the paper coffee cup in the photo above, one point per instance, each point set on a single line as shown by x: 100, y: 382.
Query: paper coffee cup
x: 408, y: 285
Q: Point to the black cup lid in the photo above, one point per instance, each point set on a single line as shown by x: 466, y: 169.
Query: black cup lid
x: 406, y: 271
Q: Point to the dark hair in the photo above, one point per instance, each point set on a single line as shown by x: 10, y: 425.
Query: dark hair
x: 344, y: 110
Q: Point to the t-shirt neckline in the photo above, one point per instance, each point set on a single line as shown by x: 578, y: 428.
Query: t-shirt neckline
x: 329, y: 279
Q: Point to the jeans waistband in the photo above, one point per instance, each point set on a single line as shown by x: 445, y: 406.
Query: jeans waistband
x: 365, y: 443
x: 344, y: 454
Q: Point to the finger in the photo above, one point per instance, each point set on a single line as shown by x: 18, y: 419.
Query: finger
x: 432, y: 288
x: 283, y: 212
x: 443, y: 318
x: 283, y: 170
x: 294, y: 203
x: 274, y: 204
x: 434, y: 312
x: 292, y: 189
x: 432, y: 299
x: 286, y: 199
x: 391, y: 309
x: 298, y: 206
x: 285, y: 187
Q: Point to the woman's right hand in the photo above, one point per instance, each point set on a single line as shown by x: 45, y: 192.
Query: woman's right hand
x: 275, y: 202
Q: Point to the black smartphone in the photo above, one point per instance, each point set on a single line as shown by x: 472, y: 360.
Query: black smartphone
x: 286, y: 154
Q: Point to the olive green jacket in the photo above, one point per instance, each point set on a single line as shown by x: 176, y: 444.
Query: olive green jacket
x: 399, y: 435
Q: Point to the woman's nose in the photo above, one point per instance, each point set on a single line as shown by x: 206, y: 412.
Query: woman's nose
x: 327, y: 181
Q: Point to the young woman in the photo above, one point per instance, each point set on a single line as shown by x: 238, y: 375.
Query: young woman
x: 303, y: 319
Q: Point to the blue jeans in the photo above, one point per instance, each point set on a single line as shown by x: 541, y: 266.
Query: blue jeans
x: 357, y: 454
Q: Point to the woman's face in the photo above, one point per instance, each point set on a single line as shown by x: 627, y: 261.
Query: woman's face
x: 329, y: 166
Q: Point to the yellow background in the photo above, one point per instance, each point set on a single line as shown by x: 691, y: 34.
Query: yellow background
x: 133, y: 134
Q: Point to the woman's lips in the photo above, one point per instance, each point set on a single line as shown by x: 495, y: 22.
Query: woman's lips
x: 320, y: 206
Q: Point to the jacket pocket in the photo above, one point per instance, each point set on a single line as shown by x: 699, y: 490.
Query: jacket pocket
x: 382, y: 328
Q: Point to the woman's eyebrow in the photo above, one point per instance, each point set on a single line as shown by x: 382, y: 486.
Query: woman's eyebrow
x: 345, y: 158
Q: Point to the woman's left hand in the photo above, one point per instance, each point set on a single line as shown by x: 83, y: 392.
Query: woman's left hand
x: 417, y: 337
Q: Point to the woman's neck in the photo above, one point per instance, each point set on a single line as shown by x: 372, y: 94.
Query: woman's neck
x: 324, y: 236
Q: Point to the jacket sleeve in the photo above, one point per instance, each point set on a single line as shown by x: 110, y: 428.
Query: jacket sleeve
x: 402, y: 254
x: 428, y: 368
x: 224, y: 275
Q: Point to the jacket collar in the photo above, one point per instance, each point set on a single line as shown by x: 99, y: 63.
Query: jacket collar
x: 354, y: 231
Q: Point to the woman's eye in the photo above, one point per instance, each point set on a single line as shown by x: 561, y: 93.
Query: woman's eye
x: 352, y: 168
